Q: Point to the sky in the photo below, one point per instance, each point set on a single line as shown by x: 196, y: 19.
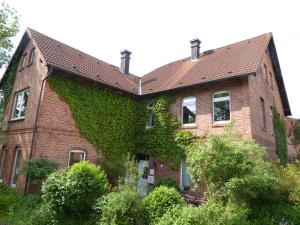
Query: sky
x: 158, y: 31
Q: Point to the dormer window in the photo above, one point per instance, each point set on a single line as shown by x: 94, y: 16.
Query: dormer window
x: 31, y: 57
x: 20, y: 104
x: 150, y: 119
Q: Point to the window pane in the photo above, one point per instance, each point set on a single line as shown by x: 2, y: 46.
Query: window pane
x: 221, y: 111
x: 150, y: 119
x: 16, y: 170
x: 24, y: 103
x: 76, y: 157
x: 17, y: 105
x: 21, y: 100
x: 189, y: 110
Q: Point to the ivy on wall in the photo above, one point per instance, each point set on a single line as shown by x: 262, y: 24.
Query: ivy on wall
x: 280, y: 137
x: 6, y: 87
x: 163, y: 140
x: 115, y: 124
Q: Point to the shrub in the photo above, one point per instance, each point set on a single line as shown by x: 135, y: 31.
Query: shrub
x: 159, y: 201
x: 166, y: 181
x: 38, y: 169
x: 119, y: 208
x: 73, y: 192
x: 8, y: 198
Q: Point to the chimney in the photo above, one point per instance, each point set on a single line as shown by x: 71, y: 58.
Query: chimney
x: 195, y: 49
x: 125, y: 59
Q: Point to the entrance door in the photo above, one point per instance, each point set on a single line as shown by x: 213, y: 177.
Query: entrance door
x: 142, y: 185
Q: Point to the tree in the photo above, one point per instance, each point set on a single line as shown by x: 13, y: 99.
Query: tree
x: 9, y: 26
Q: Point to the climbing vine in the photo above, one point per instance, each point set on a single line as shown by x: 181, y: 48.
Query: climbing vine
x: 6, y: 86
x: 115, y: 124
x: 280, y: 137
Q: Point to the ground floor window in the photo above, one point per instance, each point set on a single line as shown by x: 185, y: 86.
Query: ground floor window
x: 185, y: 178
x: 2, y: 162
x: 76, y: 156
x: 16, y: 168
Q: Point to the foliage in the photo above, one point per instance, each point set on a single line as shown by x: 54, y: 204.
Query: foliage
x: 280, y: 137
x: 166, y: 181
x: 38, y: 169
x: 163, y: 140
x: 120, y: 208
x: 9, y: 27
x: 8, y: 198
x: 105, y: 118
x: 232, y: 168
x: 289, y: 179
x: 73, y: 192
x: 129, y: 181
x: 159, y: 201
x: 297, y: 133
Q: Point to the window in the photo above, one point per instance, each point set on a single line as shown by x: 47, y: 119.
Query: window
x: 31, y: 57
x: 2, y: 162
x: 272, y: 119
x: 263, y: 113
x: 150, y: 119
x: 16, y: 169
x: 221, y: 106
x: 189, y: 110
x: 23, y: 63
x: 185, y: 178
x: 20, y: 103
x: 76, y: 156
x: 266, y: 72
x: 271, y: 81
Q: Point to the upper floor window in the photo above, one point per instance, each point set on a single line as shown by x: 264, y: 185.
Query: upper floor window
x: 16, y: 168
x: 2, y: 162
x: 189, y: 110
x: 185, y: 178
x: 271, y: 81
x: 31, y: 56
x: 150, y: 119
x: 24, y: 61
x: 221, y: 106
x: 20, y: 103
x: 266, y: 72
x: 76, y: 156
x: 263, y: 113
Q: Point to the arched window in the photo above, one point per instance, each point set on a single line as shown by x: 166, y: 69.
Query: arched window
x: 16, y: 168
x: 76, y: 156
x: 150, y: 118
x: 221, y: 107
x: 2, y: 162
x: 189, y: 111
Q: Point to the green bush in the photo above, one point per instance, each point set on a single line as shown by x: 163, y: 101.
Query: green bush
x: 119, y: 208
x: 159, y: 201
x: 38, y: 169
x: 73, y: 192
x: 8, y: 198
x: 166, y: 181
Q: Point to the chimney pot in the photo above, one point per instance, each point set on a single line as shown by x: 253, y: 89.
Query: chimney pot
x: 125, y: 60
x: 195, y: 49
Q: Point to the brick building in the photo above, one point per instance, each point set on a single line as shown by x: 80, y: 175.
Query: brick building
x: 240, y: 82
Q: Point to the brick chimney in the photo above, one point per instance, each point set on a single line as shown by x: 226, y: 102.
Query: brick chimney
x: 195, y: 49
x: 125, y: 60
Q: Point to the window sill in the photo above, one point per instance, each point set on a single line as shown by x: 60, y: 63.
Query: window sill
x: 189, y: 126
x: 21, y: 69
x: 17, y: 119
x: 29, y: 64
x: 220, y: 124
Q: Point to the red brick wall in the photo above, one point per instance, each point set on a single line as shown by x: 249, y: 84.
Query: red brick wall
x: 260, y: 87
x: 19, y: 133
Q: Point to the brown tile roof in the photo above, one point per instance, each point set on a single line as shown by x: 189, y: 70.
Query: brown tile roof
x: 69, y: 59
x: 221, y: 63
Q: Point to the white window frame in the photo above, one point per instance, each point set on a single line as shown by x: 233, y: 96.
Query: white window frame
x: 18, y: 149
x: 149, y: 107
x: 181, y: 182
x: 188, y: 124
x: 219, y: 99
x: 76, y: 151
x: 15, y: 102
x: 3, y: 154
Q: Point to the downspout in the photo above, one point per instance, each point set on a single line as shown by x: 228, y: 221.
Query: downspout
x: 50, y: 69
